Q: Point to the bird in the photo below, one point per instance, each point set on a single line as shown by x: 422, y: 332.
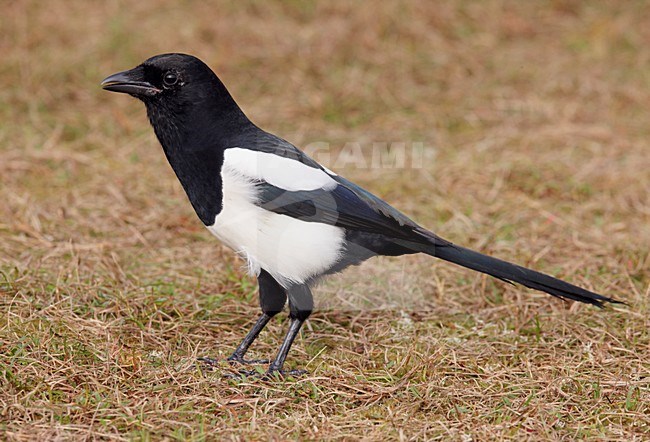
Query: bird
x: 291, y: 219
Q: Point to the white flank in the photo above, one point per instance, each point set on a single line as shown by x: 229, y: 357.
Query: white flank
x: 292, y: 251
x: 281, y: 172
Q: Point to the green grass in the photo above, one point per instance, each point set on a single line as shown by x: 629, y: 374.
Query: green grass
x: 536, y: 123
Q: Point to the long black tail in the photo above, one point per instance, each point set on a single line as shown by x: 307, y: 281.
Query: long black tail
x: 509, y: 272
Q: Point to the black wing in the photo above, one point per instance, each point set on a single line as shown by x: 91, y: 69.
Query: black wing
x: 346, y: 205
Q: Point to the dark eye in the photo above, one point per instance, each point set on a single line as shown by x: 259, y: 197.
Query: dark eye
x: 170, y: 78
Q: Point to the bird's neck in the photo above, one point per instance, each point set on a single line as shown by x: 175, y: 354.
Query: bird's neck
x: 191, y: 127
x: 194, y: 145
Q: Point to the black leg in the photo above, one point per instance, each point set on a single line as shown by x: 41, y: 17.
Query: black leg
x: 242, y: 348
x: 301, y: 304
x: 272, y: 299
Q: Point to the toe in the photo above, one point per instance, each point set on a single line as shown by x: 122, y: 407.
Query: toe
x: 240, y: 360
x: 208, y: 363
x: 283, y: 374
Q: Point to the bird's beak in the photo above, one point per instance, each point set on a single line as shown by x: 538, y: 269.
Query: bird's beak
x: 130, y: 82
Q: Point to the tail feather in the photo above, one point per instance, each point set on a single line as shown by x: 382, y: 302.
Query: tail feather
x: 511, y: 272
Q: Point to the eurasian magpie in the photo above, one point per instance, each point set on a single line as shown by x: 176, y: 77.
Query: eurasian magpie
x: 293, y: 220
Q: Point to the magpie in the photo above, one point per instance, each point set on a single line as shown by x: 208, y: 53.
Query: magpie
x: 293, y: 220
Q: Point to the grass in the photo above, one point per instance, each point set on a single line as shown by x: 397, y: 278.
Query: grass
x: 535, y: 124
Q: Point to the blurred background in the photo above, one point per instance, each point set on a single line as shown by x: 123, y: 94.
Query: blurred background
x: 530, y: 120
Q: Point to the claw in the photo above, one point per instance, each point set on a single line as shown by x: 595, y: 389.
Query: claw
x: 236, y: 359
x: 272, y: 375
x: 211, y: 364
x: 269, y: 375
x: 241, y: 374
x: 208, y: 363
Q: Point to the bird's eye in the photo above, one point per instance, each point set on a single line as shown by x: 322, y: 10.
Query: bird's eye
x: 170, y: 78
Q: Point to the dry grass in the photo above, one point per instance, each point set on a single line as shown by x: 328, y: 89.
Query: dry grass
x: 538, y: 113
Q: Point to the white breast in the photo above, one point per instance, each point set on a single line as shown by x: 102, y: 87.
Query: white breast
x: 292, y: 251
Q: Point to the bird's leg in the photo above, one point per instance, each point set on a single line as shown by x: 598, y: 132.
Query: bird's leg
x: 301, y: 304
x: 276, y: 366
x: 238, y: 354
x: 242, y: 348
x: 272, y: 299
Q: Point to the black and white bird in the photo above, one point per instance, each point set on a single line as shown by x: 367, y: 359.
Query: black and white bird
x: 293, y: 220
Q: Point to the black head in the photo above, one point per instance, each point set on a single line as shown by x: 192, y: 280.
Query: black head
x: 174, y: 77
x: 182, y: 96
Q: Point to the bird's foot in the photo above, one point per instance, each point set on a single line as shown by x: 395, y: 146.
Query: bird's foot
x: 272, y: 375
x: 208, y: 364
x: 211, y: 363
x: 239, y: 359
x: 269, y: 375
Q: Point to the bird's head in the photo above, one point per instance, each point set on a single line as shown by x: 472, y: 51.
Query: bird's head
x: 180, y: 93
x: 166, y: 77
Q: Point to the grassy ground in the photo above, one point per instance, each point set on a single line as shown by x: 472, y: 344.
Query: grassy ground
x: 534, y: 116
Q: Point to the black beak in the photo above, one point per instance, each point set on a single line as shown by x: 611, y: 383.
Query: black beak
x: 130, y: 82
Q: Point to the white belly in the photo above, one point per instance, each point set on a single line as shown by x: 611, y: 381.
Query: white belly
x: 292, y: 251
